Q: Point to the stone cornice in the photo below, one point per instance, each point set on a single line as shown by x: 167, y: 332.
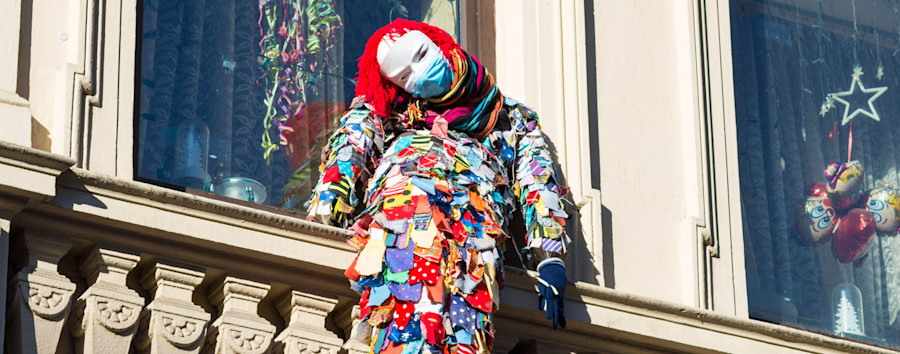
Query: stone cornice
x: 24, y: 155
x: 27, y: 176
x: 190, y: 204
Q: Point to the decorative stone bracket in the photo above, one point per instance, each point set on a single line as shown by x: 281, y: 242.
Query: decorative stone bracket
x: 40, y: 297
x: 105, y: 315
x: 239, y: 329
x: 171, y: 323
x: 305, y: 315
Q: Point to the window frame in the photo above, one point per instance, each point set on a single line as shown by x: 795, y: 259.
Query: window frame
x: 721, y: 271
x: 476, y: 29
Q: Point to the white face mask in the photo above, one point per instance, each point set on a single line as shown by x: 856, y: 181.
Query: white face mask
x: 415, y: 63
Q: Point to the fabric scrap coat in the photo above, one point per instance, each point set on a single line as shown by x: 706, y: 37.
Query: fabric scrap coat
x: 432, y: 226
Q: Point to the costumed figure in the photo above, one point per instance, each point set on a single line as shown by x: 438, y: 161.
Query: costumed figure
x: 446, y: 160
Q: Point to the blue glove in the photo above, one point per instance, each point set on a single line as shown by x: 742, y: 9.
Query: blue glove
x: 552, y: 286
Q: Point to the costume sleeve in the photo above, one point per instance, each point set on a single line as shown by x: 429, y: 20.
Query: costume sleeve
x: 350, y: 154
x: 537, y: 188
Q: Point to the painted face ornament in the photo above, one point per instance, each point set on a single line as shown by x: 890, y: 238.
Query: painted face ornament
x: 884, y: 204
x: 845, y: 184
x: 814, y: 220
x: 415, y: 63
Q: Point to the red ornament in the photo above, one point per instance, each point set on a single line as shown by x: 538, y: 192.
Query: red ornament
x: 816, y: 189
x: 853, y: 235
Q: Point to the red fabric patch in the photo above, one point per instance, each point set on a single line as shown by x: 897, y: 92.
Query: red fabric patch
x: 332, y: 174
x: 421, y: 203
x: 533, y: 197
x: 399, y: 213
x: 434, y: 327
x: 443, y: 188
x: 441, y: 221
x: 406, y: 152
x: 364, y: 308
x: 450, y: 148
x: 351, y: 272
x: 459, y: 230
x: 427, y: 162
x: 424, y: 271
x: 403, y: 312
x: 436, y: 291
x: 481, y: 299
x: 465, y: 349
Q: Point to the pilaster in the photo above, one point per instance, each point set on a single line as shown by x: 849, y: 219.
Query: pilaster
x: 171, y: 323
x: 305, y: 317
x: 40, y: 296
x: 239, y: 329
x: 105, y: 315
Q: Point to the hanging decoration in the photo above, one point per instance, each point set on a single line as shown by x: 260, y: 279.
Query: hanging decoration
x: 294, y: 53
x: 854, y: 83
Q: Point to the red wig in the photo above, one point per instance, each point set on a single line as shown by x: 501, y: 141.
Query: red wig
x: 381, y: 93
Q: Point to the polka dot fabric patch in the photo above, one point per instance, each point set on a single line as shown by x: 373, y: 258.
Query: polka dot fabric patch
x: 424, y: 271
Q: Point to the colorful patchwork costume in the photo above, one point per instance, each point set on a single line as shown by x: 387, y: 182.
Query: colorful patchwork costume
x: 443, y: 176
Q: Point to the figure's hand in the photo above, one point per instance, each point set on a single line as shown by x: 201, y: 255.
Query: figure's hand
x: 552, y: 286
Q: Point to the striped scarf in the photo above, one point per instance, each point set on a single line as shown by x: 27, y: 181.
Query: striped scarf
x: 473, y: 104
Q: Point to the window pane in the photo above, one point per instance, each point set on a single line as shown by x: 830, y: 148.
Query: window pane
x: 238, y: 97
x: 816, y: 88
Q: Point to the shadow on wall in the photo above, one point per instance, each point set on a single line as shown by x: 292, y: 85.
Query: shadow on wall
x: 609, y: 264
x: 585, y: 270
x: 66, y: 199
x: 40, y: 136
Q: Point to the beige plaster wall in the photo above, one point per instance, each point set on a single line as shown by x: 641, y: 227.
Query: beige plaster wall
x: 648, y: 152
x: 646, y: 96
x: 56, y: 44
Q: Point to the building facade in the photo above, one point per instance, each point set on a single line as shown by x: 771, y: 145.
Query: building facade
x: 643, y: 102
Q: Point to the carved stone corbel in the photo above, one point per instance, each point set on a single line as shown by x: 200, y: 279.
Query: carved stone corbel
x: 105, y: 315
x: 239, y: 329
x: 171, y: 323
x: 40, y: 296
x: 347, y: 318
x: 305, y: 317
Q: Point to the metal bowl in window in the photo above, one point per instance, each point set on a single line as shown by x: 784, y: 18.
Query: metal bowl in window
x: 242, y: 188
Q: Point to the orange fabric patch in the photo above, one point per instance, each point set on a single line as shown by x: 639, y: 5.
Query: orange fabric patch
x: 382, y: 314
x: 476, y: 201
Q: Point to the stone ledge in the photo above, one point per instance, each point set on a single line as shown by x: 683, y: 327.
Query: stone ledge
x: 144, y: 193
x: 34, y: 157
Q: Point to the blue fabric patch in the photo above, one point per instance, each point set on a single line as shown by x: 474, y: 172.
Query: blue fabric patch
x: 425, y: 184
x: 463, y: 337
x: 378, y: 295
x: 345, y: 168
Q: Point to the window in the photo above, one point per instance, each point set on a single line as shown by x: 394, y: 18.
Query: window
x: 816, y: 87
x: 237, y: 98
